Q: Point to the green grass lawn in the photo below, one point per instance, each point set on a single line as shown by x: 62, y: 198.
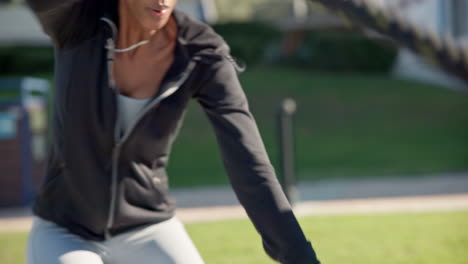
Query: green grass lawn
x: 347, y: 126
x: 425, y: 238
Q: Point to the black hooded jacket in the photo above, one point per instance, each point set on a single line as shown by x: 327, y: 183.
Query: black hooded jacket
x: 99, y: 182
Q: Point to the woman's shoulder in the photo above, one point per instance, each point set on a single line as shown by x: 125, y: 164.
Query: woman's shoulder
x: 199, y: 38
x: 202, y: 41
x: 191, y: 28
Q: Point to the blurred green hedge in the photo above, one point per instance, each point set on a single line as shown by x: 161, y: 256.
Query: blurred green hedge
x: 248, y: 41
x: 253, y: 43
x: 346, y: 51
x: 333, y: 51
x: 26, y: 60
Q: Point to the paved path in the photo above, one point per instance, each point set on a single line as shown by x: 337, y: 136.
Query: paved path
x: 339, y: 189
x: 409, y: 204
x: 369, y: 196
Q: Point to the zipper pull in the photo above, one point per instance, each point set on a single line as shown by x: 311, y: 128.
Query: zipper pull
x: 110, y: 61
x: 110, y: 47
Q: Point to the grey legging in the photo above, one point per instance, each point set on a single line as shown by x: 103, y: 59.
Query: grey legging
x: 162, y: 243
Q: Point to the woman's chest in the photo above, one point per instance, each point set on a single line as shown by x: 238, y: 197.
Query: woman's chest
x: 141, y: 77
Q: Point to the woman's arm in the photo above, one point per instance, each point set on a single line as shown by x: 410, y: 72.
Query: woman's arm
x: 66, y: 21
x: 49, y: 5
x: 248, y: 166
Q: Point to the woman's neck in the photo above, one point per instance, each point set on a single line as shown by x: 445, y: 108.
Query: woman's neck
x: 131, y: 32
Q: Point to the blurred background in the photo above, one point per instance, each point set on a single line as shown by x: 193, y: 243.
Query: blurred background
x: 374, y: 120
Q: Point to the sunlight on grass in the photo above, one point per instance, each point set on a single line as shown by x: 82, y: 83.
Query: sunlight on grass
x: 385, y: 239
x: 424, y: 238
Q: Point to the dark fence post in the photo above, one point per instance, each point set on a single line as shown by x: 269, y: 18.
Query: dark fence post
x: 286, y: 110
x: 26, y: 158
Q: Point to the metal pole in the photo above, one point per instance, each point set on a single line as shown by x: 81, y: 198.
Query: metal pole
x: 287, y: 109
x: 26, y: 157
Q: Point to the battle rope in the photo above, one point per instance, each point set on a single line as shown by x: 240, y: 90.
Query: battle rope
x: 443, y: 52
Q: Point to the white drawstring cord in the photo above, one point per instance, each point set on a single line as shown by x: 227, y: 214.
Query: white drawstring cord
x: 112, y: 25
x: 110, y: 46
x: 141, y: 43
x: 114, y: 34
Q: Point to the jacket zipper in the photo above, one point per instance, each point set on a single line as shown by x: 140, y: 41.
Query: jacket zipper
x: 118, y: 139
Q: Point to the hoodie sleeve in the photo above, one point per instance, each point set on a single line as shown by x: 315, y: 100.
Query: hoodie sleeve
x: 65, y: 21
x: 249, y: 169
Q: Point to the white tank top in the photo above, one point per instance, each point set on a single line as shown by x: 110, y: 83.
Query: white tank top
x: 129, y: 108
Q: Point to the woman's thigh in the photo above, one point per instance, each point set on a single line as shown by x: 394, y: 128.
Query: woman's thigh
x: 162, y: 243
x: 49, y: 243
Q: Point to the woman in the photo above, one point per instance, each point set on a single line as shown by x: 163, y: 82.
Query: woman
x: 124, y: 73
